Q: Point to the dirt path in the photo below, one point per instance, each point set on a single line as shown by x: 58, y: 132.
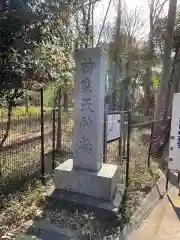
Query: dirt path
x: 164, y: 222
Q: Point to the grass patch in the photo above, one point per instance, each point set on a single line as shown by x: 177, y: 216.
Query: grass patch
x: 24, y: 160
x: 141, y: 182
x: 29, y: 201
x: 24, y: 205
x: 141, y: 178
x: 21, y: 112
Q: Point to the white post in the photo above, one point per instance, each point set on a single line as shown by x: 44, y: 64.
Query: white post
x: 174, y: 146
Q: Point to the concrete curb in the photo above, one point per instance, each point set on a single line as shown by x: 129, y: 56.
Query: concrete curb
x: 150, y: 203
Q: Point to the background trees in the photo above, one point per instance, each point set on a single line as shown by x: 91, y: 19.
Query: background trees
x: 147, y: 63
x: 38, y: 38
x: 36, y: 44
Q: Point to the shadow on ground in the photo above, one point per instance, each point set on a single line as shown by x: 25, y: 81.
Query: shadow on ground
x: 176, y: 209
x: 63, y: 223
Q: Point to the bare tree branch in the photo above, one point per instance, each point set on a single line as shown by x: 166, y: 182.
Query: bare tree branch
x: 107, y: 10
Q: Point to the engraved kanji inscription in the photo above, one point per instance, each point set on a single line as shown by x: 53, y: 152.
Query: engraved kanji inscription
x: 178, y: 137
x: 87, y: 65
x: 86, y: 85
x: 85, y: 122
x: 86, y: 103
x: 85, y: 145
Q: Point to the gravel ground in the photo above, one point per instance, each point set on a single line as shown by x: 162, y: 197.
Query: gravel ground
x: 141, y: 182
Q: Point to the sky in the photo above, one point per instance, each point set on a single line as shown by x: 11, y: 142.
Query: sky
x: 130, y: 3
x: 101, y: 8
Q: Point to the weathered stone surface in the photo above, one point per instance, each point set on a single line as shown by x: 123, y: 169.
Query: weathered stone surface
x: 89, y: 109
x: 103, y: 208
x: 44, y: 230
x: 100, y: 184
x: 86, y: 179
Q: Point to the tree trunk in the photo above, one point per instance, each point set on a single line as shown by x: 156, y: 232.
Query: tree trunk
x: 175, y: 75
x: 9, y: 117
x: 162, y: 99
x: 126, y: 103
x: 173, y: 88
x: 65, y: 103
x: 148, y: 74
x: 147, y: 90
x: 114, y: 86
x: 26, y: 102
x: 116, y: 57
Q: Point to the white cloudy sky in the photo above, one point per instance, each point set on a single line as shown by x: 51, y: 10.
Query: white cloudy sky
x: 100, y: 11
x: 131, y: 4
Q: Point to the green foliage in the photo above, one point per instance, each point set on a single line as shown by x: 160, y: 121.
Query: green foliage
x: 36, y: 40
x: 8, y: 97
x: 20, y: 112
x: 156, y: 81
x: 38, y: 45
x: 49, y: 96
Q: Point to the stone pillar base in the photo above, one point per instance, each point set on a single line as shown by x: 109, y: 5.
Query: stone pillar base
x: 90, y: 189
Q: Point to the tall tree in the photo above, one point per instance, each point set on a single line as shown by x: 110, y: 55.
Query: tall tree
x: 155, y: 10
x: 116, y: 58
x: 35, y: 45
x: 124, y: 51
x: 162, y: 100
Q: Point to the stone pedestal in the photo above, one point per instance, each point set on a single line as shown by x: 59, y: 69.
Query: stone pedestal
x: 101, y: 184
x: 86, y: 177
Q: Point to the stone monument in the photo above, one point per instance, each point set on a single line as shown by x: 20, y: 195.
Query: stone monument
x: 85, y: 175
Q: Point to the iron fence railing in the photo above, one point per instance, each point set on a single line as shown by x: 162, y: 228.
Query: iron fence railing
x: 39, y: 137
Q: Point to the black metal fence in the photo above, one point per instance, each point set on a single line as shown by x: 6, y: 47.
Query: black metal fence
x: 36, y: 138
x: 117, y: 141
x: 22, y: 132
x: 146, y: 144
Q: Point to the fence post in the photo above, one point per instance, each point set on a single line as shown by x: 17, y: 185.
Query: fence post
x: 42, y: 132
x: 54, y: 137
x: 59, y: 119
x: 124, y: 140
x: 167, y: 178
x: 121, y: 134
x: 150, y: 146
x: 128, y: 149
x: 105, y: 134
